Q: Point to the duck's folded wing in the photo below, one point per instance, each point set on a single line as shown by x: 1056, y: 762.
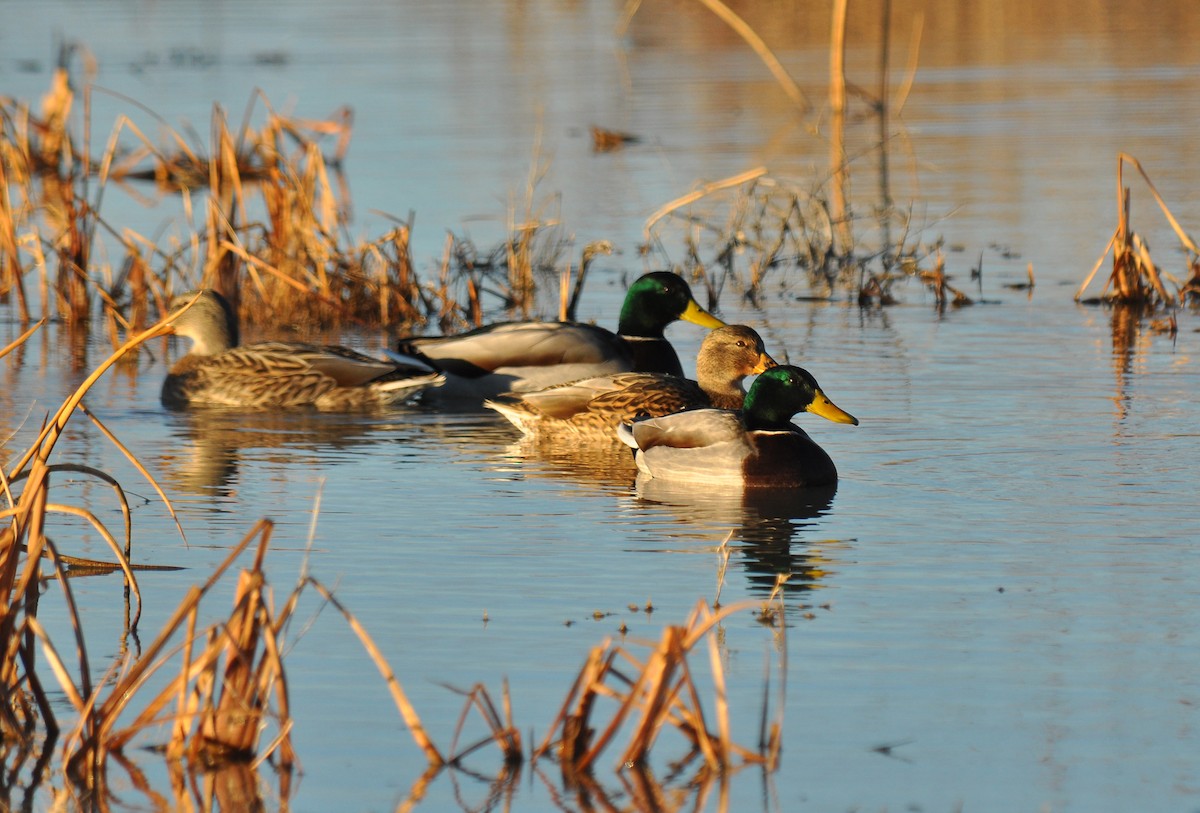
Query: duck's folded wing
x: 518, y: 344
x: 650, y: 395
x: 624, y: 395
x: 347, y: 368
x: 696, y: 428
x: 242, y: 377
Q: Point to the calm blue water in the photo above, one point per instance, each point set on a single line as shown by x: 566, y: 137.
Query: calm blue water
x: 995, y: 611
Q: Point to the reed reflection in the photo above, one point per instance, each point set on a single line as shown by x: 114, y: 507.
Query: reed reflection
x: 231, y: 786
x: 634, y: 788
x: 1129, y: 344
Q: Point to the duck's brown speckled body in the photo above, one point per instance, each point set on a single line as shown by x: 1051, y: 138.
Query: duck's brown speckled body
x: 219, y: 372
x: 594, y: 407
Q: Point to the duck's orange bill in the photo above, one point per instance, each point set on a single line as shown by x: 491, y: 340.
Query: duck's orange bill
x: 765, y: 363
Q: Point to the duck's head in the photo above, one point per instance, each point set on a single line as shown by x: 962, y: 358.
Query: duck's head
x: 784, y: 391
x: 210, y: 323
x: 732, y: 351
x: 657, y: 299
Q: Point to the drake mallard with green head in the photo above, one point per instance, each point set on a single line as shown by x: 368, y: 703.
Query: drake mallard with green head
x: 217, y: 371
x: 595, y: 407
x: 526, y: 356
x: 758, y: 446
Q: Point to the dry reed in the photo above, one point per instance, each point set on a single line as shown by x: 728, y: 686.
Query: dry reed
x: 231, y: 680
x: 272, y: 237
x: 1135, y: 278
x: 25, y: 533
x: 662, y: 693
x: 773, y: 225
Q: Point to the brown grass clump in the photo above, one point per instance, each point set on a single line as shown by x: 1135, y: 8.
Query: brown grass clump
x: 659, y: 694
x: 25, y: 533
x: 265, y: 210
x: 221, y: 697
x: 943, y: 292
x: 1135, y: 278
x: 40, y: 160
x: 771, y: 225
x: 617, y: 690
x: 755, y: 231
x: 219, y: 700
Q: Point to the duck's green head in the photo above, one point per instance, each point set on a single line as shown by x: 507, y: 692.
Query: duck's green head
x: 657, y: 299
x: 783, y: 391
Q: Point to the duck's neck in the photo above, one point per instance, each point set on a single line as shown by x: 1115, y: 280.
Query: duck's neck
x: 636, y: 320
x: 212, y: 343
x: 758, y: 421
x: 724, y: 389
x: 760, y: 413
x: 214, y: 336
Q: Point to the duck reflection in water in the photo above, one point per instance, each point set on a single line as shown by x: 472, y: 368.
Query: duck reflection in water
x: 209, y: 444
x: 607, y: 466
x: 767, y: 524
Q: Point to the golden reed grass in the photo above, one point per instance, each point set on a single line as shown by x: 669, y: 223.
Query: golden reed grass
x: 25, y: 533
x: 781, y: 228
x: 660, y: 693
x: 1135, y: 278
x: 266, y: 209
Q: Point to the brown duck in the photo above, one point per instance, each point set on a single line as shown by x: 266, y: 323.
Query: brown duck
x: 217, y: 371
x: 596, y: 406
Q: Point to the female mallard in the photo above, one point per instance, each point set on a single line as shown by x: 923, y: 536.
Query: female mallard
x: 219, y: 372
x: 525, y: 356
x: 758, y: 446
x: 597, y: 406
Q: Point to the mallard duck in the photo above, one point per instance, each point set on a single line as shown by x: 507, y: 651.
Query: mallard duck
x: 218, y: 371
x: 596, y: 406
x: 757, y: 446
x: 525, y: 356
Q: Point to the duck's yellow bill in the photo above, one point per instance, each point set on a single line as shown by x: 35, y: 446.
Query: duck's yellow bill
x: 699, y: 316
x: 830, y: 411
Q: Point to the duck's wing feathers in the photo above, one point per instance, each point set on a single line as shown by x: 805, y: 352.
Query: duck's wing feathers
x: 700, y: 445
x: 246, y: 377
x: 623, y: 395
x: 650, y: 395
x: 519, y: 345
x: 693, y: 429
x: 347, y: 368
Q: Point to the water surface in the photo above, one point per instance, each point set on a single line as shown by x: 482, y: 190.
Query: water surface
x: 993, y: 611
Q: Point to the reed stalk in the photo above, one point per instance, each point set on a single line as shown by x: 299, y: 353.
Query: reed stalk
x: 839, y: 170
x: 663, y: 695
x: 786, y: 83
x: 1135, y: 278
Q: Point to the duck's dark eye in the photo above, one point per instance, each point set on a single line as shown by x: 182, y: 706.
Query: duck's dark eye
x: 741, y: 343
